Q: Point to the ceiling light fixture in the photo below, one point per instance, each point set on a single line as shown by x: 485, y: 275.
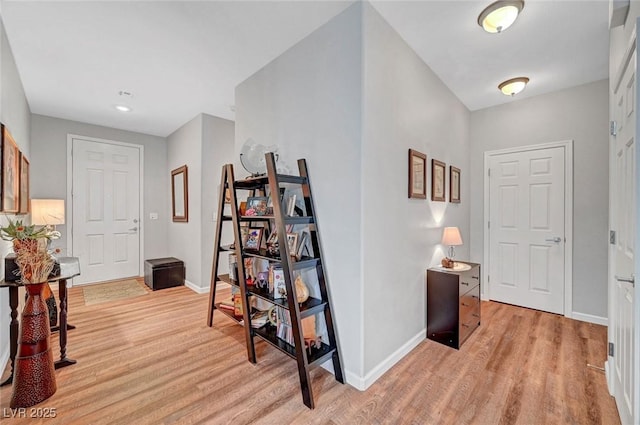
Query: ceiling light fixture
x: 513, y: 86
x: 123, y: 108
x: 500, y: 15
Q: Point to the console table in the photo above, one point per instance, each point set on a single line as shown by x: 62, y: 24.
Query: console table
x: 62, y: 319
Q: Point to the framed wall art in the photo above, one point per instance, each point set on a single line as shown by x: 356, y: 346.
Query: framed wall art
x: 437, y: 180
x: 10, y: 173
x: 454, y: 184
x: 417, y: 175
x: 23, y: 197
x: 180, y: 194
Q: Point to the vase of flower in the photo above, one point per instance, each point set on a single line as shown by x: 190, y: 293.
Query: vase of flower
x: 34, y: 378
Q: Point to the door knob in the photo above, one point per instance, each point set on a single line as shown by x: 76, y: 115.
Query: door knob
x: 557, y: 239
x: 133, y: 229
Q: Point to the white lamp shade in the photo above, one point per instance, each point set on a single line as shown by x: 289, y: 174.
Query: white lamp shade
x: 47, y: 211
x: 451, y: 236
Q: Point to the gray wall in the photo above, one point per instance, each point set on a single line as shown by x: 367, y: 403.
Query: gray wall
x: 579, y: 114
x: 217, y: 150
x: 405, y: 106
x: 49, y: 172
x: 15, y: 114
x: 184, y: 147
x: 308, y: 103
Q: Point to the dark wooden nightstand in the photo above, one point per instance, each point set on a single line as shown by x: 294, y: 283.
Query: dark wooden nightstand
x: 453, y: 303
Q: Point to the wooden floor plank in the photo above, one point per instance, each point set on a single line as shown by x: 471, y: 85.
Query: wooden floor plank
x: 151, y: 359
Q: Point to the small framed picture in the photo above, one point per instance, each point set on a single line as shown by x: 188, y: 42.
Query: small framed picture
x: 272, y: 243
x: 253, y: 239
x: 10, y: 177
x: 24, y: 185
x: 417, y: 175
x: 454, y: 184
x: 292, y: 240
x: 437, y: 180
x: 256, y: 205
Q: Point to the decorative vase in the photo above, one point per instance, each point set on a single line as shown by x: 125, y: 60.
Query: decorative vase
x: 34, y: 378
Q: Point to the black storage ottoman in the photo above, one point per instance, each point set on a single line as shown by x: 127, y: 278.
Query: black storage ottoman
x: 161, y: 273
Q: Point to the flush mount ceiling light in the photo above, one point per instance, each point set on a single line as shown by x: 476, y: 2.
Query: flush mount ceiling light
x: 500, y: 15
x: 513, y: 86
x: 123, y: 108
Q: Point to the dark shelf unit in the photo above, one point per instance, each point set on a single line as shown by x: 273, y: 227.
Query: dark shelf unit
x: 306, y: 358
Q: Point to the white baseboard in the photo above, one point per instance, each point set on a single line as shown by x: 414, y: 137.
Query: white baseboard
x: 195, y: 288
x: 362, y: 383
x: 607, y: 374
x: 583, y: 317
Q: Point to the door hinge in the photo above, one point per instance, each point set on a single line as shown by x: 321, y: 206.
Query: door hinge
x: 488, y: 225
x: 613, y: 128
x: 612, y: 237
x: 488, y: 278
x: 611, y: 349
x: 489, y: 172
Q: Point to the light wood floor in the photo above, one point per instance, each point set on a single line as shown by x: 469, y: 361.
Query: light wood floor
x: 152, y: 360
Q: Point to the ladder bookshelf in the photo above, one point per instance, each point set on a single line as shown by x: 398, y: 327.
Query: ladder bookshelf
x: 309, y: 354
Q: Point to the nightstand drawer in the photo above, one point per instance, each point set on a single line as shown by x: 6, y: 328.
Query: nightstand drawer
x: 469, y: 279
x: 469, y: 301
x: 468, y: 324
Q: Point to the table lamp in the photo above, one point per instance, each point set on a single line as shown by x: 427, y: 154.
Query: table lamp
x: 451, y: 237
x: 47, y: 212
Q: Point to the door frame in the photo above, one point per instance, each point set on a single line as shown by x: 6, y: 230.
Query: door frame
x: 568, y: 216
x: 69, y: 236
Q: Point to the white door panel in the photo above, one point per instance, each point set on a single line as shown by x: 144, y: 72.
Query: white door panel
x: 623, y: 219
x: 106, y: 212
x: 526, y: 215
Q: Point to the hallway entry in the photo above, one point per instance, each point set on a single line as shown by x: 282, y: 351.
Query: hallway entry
x: 526, y: 226
x: 105, y: 197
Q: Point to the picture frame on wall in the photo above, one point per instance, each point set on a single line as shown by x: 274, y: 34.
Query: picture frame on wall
x: 10, y: 173
x: 417, y: 174
x: 23, y: 198
x: 438, y: 180
x: 180, y: 194
x: 454, y: 184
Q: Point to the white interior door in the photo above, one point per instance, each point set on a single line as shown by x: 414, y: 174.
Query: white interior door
x: 526, y: 228
x: 623, y: 218
x: 106, y: 210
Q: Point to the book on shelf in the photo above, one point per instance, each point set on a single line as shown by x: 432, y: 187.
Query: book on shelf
x: 259, y: 318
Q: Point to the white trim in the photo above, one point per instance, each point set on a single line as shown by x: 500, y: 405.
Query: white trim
x: 608, y: 375
x: 69, y: 236
x: 362, y: 383
x: 590, y: 318
x: 195, y: 288
x: 568, y: 217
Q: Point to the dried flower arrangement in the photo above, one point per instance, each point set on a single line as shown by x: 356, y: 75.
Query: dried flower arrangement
x: 30, y: 243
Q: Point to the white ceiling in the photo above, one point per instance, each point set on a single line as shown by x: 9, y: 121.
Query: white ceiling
x: 182, y: 58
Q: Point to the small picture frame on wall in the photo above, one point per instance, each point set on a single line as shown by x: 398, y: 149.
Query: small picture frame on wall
x: 417, y: 174
x: 454, y: 185
x: 438, y: 180
x: 9, y: 202
x: 24, y: 185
